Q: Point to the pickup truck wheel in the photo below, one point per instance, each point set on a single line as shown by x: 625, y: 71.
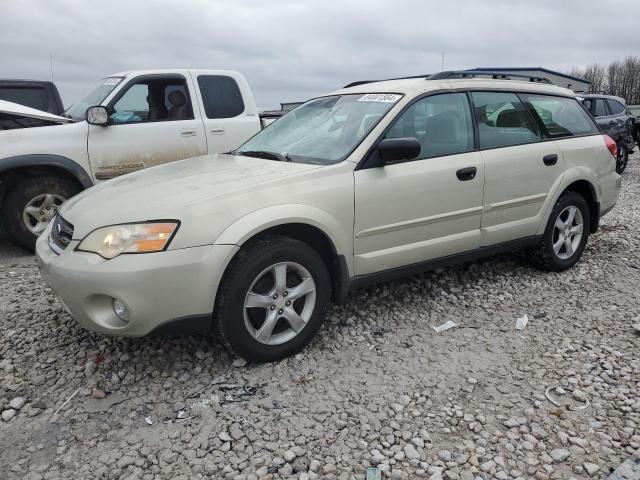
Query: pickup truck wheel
x: 566, y: 234
x: 273, y: 299
x: 30, y: 205
x: 622, y: 158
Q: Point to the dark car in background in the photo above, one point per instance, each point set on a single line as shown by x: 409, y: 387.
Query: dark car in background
x: 635, y: 111
x: 30, y: 93
x: 616, y: 120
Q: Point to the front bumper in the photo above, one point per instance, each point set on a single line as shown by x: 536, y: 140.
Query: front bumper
x: 157, y: 288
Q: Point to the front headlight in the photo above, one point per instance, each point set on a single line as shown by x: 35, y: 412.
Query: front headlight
x: 109, y: 242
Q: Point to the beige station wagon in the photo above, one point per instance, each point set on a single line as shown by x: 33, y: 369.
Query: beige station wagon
x: 371, y: 182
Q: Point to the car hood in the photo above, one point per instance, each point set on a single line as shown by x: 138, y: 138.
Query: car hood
x: 222, y: 187
x: 28, y: 112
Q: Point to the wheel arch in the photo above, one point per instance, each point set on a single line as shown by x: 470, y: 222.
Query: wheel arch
x: 581, y: 181
x: 312, y: 226
x: 39, y: 164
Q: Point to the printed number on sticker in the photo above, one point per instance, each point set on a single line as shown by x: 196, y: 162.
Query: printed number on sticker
x: 380, y: 97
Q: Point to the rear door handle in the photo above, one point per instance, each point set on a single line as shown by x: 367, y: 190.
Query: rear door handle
x: 188, y: 132
x: 465, y: 174
x: 550, y: 159
x: 217, y: 131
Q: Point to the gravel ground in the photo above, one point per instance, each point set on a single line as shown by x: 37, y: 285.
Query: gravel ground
x: 377, y: 386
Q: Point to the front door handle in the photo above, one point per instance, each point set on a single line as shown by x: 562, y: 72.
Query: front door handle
x: 550, y: 159
x: 465, y: 174
x: 188, y: 132
x: 217, y: 131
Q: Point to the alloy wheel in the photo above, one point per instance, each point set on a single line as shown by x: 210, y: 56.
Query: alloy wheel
x: 279, y: 303
x: 567, y: 232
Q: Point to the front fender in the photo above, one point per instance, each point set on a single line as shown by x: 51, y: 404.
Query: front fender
x: 41, y: 159
x: 257, y: 221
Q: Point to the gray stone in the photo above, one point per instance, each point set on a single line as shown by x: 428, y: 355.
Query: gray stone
x: 559, y: 454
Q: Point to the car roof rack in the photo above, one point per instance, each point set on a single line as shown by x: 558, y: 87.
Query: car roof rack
x: 453, y: 74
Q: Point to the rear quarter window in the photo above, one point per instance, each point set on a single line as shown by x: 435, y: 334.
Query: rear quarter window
x: 561, y: 116
x: 615, y: 107
x: 221, y: 96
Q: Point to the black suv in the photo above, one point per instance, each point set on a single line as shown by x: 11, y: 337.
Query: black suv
x: 616, y: 120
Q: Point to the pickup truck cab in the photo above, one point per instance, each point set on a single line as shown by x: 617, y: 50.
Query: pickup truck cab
x: 151, y: 117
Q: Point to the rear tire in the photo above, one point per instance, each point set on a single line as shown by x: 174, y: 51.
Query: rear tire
x: 566, y: 234
x: 272, y: 299
x: 31, y: 203
x: 622, y: 158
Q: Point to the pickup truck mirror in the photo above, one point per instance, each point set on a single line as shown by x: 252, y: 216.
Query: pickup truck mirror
x: 395, y: 150
x: 97, y: 115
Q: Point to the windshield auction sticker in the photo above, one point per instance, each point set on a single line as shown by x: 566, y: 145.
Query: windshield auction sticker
x: 380, y: 97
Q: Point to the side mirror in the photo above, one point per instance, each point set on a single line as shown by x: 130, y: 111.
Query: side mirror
x: 97, y: 116
x: 394, y: 150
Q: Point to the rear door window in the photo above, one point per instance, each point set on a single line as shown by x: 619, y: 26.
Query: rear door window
x: 561, y: 116
x: 616, y: 107
x: 221, y: 96
x: 598, y: 108
x: 503, y: 120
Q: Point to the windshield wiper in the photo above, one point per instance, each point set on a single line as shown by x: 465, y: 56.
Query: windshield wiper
x: 266, y: 154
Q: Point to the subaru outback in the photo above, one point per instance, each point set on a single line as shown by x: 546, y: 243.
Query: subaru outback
x: 369, y: 183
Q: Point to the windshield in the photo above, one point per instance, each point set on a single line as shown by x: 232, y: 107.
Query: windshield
x: 322, y: 131
x: 78, y: 110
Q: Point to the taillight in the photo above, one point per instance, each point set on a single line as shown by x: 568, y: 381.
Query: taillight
x: 611, y: 145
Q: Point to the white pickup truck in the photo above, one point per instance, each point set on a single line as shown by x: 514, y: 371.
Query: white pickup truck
x: 131, y: 120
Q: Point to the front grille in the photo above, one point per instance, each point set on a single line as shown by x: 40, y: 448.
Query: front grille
x: 61, y: 234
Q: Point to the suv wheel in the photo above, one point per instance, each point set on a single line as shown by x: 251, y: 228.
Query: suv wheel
x: 30, y: 205
x: 622, y: 158
x: 272, y: 299
x: 566, y: 233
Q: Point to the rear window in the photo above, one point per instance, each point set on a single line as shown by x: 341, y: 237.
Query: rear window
x: 561, y: 116
x: 34, y: 97
x: 221, y: 96
x: 615, y: 107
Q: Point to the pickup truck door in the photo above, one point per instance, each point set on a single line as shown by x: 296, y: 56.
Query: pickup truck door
x: 228, y: 110
x: 152, y: 121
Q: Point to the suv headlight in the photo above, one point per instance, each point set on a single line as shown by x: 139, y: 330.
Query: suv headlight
x: 109, y: 242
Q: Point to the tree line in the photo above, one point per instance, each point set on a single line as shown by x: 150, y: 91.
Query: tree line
x: 620, y: 78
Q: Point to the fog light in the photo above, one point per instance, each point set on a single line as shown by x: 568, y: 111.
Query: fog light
x: 121, y: 310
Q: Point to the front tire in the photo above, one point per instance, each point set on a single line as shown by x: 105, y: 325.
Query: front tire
x: 272, y: 299
x: 30, y: 205
x: 566, y: 234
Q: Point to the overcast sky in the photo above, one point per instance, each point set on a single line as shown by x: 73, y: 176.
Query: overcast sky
x: 292, y: 50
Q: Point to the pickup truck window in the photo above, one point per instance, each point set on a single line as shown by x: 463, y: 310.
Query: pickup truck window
x: 78, y: 110
x: 152, y: 99
x: 322, y: 131
x: 221, y: 96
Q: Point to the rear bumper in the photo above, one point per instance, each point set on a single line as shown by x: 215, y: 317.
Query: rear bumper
x: 157, y: 288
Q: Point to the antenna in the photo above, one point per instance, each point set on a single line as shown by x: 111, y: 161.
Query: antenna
x: 442, y: 70
x: 51, y: 64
